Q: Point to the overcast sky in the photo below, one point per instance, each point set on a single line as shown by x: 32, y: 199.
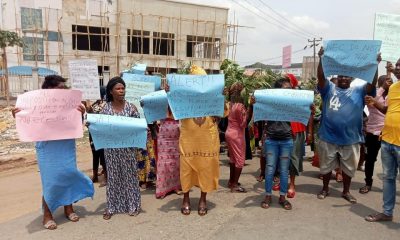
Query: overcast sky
x: 329, y: 19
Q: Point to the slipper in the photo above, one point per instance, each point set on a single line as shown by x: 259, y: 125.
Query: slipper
x: 266, y: 203
x: 349, y: 198
x: 323, y: 194
x: 238, y: 190
x: 291, y: 194
x: 134, y: 214
x: 260, y: 178
x: 286, y: 205
x: 103, y: 184
x: 50, y: 225
x: 73, y: 217
x: 107, y: 215
x: 185, y: 210
x: 365, y: 189
x: 378, y: 217
x: 202, y: 211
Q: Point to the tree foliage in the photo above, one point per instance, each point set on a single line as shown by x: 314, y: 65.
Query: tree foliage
x: 9, y: 39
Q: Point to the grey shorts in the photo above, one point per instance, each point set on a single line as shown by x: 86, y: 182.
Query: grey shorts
x: 332, y: 156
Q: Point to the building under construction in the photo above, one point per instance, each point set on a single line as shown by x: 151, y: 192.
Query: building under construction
x: 163, y: 34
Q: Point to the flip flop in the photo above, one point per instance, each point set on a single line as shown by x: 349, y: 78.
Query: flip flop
x: 186, y: 210
x: 107, y: 215
x: 323, y: 194
x: 291, y: 194
x: 73, y: 217
x: 238, y: 190
x: 349, y: 198
x: 50, y: 225
x: 202, y: 211
x: 378, y: 217
x: 365, y: 189
x: 286, y: 205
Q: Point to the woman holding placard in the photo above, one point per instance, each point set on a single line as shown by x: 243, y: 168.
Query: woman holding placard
x: 62, y: 183
x: 123, y: 193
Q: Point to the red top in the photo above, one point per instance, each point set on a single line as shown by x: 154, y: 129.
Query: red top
x: 297, y: 127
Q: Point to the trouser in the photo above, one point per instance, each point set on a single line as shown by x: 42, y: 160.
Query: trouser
x: 373, y: 144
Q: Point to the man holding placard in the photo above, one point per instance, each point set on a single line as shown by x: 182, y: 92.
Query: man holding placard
x: 390, y: 151
x: 340, y: 133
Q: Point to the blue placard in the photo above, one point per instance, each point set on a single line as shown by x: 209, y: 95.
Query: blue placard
x: 353, y: 58
x: 196, y: 95
x: 155, y: 105
x: 110, y: 131
x: 287, y: 105
x: 143, y: 78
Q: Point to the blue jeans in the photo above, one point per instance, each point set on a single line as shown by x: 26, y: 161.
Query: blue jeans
x: 277, y: 150
x: 390, y: 155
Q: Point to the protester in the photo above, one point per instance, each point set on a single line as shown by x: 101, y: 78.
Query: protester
x: 199, y: 148
x: 390, y: 151
x: 98, y: 155
x: 299, y: 137
x: 168, y: 178
x: 123, y: 193
x: 235, y: 137
x: 62, y: 183
x: 146, y: 159
x: 277, y: 148
x: 340, y: 133
x: 373, y: 130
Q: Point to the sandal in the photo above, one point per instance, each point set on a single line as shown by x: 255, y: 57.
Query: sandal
x: 349, y: 198
x: 202, y: 211
x: 378, y: 217
x: 365, y: 189
x: 107, y: 215
x: 323, y: 194
x: 286, y: 205
x: 291, y: 194
x: 260, y: 178
x: 266, y: 203
x: 186, y: 210
x: 50, y: 225
x: 238, y: 190
x: 73, y: 217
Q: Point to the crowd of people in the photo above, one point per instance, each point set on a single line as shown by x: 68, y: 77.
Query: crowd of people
x: 186, y: 153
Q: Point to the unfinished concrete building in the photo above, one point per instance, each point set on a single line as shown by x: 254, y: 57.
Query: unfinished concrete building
x: 163, y: 34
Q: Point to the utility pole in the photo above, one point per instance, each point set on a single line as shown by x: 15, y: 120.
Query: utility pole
x: 313, y: 44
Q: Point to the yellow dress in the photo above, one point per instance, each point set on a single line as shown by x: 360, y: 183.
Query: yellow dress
x: 199, y: 154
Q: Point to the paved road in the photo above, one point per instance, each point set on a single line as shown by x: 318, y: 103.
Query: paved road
x: 231, y: 215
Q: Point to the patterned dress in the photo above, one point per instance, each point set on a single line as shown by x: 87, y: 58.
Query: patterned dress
x: 168, y: 178
x: 123, y: 193
x: 146, y: 161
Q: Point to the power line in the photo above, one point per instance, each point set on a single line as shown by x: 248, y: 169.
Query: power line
x: 280, y: 22
x: 266, y: 20
x: 277, y: 57
x: 288, y: 20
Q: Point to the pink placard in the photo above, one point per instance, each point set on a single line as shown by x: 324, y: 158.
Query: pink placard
x: 49, y: 114
x: 287, y: 57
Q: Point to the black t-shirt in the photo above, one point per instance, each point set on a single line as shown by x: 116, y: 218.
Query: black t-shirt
x: 278, y: 130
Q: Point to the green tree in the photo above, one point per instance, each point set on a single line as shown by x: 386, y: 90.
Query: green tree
x: 8, y: 39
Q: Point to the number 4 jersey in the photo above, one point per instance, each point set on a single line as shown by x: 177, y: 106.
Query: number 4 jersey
x: 342, y: 114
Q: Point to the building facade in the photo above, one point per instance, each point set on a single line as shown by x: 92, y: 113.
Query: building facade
x: 163, y: 34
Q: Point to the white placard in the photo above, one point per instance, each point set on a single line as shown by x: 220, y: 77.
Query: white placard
x: 84, y: 77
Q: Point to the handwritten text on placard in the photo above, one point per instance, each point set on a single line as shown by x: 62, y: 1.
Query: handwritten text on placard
x: 155, y: 106
x: 196, y: 95
x: 110, y: 131
x: 353, y: 58
x: 84, y: 76
x: 49, y: 114
x: 283, y: 105
x: 387, y: 29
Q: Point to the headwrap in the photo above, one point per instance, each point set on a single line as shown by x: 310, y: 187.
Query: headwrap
x: 196, y: 70
x: 293, y: 80
x: 110, y: 85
